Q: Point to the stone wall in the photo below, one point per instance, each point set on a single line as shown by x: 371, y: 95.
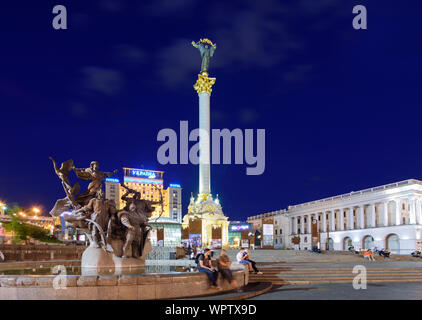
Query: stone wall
x: 41, y: 252
x: 60, y: 252
x: 123, y: 287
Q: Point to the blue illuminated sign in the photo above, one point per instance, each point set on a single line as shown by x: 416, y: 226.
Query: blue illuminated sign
x: 142, y: 181
x: 239, y: 227
x: 175, y: 185
x: 147, y: 174
x: 112, y: 180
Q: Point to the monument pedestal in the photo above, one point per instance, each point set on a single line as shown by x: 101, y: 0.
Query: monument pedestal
x: 96, y: 261
x: 211, y: 217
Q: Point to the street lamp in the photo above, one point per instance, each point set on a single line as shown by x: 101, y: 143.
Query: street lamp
x: 36, y: 210
x: 3, y: 206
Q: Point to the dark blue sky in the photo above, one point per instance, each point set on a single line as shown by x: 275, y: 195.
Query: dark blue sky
x: 341, y: 107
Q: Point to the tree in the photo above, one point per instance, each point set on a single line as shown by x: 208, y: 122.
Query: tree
x: 24, y: 232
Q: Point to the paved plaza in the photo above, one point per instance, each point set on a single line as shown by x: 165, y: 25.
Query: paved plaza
x: 301, y: 275
x: 290, y: 256
x: 345, y: 291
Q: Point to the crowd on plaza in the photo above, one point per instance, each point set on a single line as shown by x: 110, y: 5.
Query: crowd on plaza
x: 369, y: 253
x: 204, y: 258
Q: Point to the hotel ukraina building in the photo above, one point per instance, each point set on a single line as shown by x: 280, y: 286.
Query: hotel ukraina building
x: 388, y: 216
x: 166, y: 224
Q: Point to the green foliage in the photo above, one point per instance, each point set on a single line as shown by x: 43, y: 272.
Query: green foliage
x: 7, y: 226
x: 24, y: 232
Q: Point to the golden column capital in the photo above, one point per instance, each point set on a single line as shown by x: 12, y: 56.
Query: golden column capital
x: 204, y: 83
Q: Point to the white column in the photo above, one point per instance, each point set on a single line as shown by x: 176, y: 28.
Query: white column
x: 290, y: 226
x: 341, y: 219
x: 310, y: 223
x: 418, y: 212
x: 324, y: 221
x: 398, y: 212
x: 361, y: 215
x: 204, y: 143
x: 224, y: 233
x: 350, y: 220
x: 318, y: 223
x: 412, y: 210
x: 302, y: 224
x: 385, y: 214
x: 332, y: 221
x: 373, y: 215
x: 294, y: 225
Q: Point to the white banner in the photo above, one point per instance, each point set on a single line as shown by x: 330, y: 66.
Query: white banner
x: 268, y: 229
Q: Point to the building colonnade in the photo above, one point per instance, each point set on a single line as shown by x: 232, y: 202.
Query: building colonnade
x: 395, y: 212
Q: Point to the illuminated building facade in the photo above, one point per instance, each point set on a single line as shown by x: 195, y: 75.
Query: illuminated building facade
x: 239, y: 234
x: 205, y: 224
x: 387, y: 216
x: 276, y: 226
x: 149, y: 183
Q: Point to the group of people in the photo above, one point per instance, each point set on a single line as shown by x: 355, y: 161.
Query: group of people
x: 193, y: 250
x: 205, y: 264
x: 369, y: 254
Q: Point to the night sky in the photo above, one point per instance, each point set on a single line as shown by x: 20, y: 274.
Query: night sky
x: 341, y: 107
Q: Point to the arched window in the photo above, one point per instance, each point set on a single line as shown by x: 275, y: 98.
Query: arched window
x: 393, y: 243
x: 347, y: 242
x: 368, y: 242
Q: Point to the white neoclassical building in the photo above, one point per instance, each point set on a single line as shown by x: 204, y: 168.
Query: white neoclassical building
x: 388, y: 216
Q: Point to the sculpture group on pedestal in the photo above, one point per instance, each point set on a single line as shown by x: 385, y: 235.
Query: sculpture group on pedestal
x: 122, y: 232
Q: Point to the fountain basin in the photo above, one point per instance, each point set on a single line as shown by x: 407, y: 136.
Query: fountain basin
x: 145, y: 286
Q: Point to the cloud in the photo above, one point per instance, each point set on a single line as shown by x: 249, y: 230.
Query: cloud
x: 249, y: 34
x: 297, y: 74
x: 78, y: 110
x: 79, y: 20
x: 112, y: 5
x: 219, y: 115
x: 178, y: 63
x: 161, y: 8
x: 102, y: 80
x: 247, y: 116
x: 130, y: 55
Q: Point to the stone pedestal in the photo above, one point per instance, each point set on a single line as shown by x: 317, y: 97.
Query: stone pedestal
x: 96, y: 261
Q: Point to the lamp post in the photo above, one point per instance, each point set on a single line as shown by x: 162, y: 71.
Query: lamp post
x: 3, y: 208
